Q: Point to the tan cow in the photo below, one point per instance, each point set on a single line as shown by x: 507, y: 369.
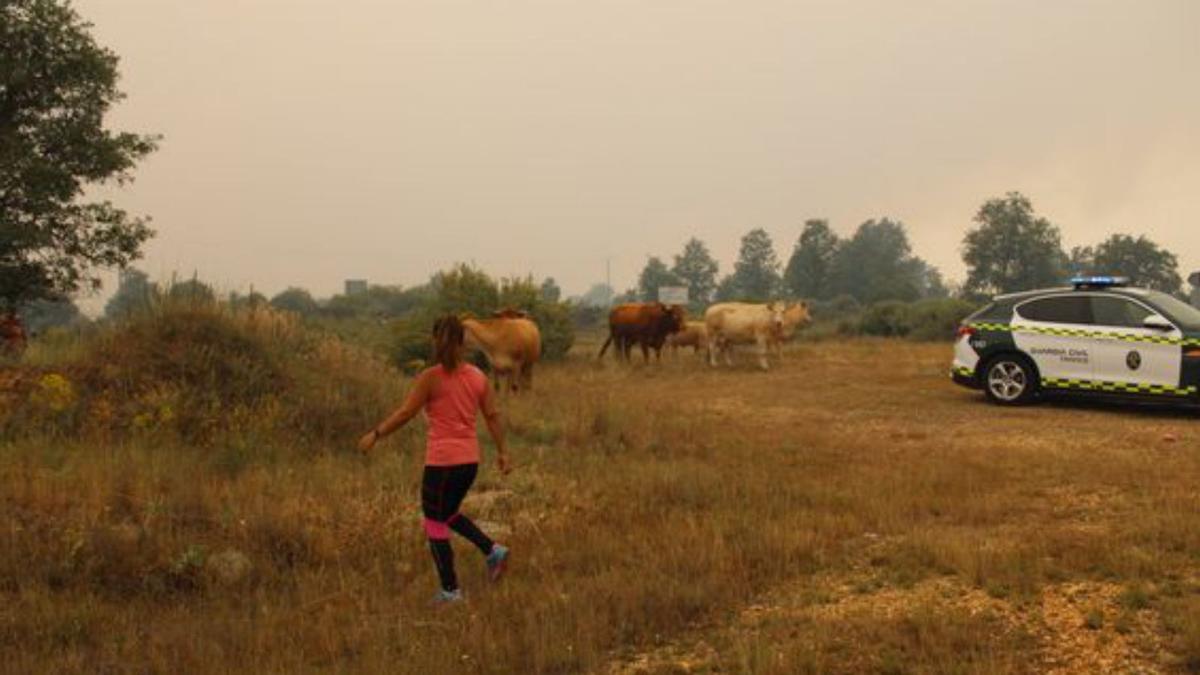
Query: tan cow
x: 767, y: 326
x: 693, y: 335
x: 512, y: 346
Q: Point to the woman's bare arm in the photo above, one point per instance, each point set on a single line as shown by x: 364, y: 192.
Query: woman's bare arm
x: 413, y: 405
x: 495, y: 425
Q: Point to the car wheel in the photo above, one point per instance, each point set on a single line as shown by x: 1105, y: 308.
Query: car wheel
x: 1010, y: 379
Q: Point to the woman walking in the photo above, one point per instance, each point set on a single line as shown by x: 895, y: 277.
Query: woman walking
x: 451, y: 393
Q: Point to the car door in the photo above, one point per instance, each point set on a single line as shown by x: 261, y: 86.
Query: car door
x: 1055, y: 331
x: 1132, y: 357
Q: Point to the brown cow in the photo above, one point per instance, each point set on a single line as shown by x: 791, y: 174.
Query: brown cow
x: 12, y: 335
x: 511, y: 344
x: 643, y: 323
x: 694, y: 335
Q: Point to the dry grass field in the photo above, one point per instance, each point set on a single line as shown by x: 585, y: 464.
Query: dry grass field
x: 849, y: 511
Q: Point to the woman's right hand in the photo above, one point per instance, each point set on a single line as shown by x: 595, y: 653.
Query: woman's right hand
x: 504, y: 462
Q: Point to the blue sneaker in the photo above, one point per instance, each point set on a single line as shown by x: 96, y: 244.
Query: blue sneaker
x: 497, y: 561
x: 445, y: 597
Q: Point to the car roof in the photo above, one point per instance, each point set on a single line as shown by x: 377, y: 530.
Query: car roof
x: 1126, y: 291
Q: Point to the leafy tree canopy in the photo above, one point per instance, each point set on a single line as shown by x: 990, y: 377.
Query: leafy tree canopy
x: 551, y: 292
x: 696, y: 268
x: 135, y: 293
x: 1144, y: 262
x: 809, y: 272
x: 877, y: 264
x: 654, y: 275
x: 755, y: 275
x: 56, y: 86
x: 1011, y: 249
x: 296, y: 300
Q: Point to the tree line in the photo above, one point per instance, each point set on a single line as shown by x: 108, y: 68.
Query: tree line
x: 1007, y: 248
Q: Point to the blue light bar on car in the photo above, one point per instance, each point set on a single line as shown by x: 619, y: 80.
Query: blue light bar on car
x: 1098, y: 281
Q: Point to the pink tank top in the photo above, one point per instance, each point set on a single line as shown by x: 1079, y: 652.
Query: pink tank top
x: 451, y: 411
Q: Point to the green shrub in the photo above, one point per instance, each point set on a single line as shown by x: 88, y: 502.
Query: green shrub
x: 936, y: 319
x: 889, y: 318
x: 932, y: 319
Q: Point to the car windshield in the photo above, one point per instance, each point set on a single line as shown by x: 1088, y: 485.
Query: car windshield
x: 1178, y: 311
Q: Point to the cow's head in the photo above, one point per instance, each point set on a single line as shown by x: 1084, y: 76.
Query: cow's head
x: 677, y: 318
x: 796, y: 316
x: 776, y: 312
x: 669, y: 318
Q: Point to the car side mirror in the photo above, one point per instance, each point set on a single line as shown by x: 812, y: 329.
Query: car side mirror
x: 1156, y: 322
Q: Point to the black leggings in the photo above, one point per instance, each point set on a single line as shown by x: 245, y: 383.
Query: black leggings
x: 442, y: 491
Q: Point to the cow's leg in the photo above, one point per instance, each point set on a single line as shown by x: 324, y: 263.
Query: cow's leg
x: 714, y: 345
x: 527, y: 377
x: 727, y: 349
x: 645, y: 351
x: 763, y: 347
x: 604, y: 347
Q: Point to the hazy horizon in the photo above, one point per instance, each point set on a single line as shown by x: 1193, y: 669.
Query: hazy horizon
x: 309, y: 142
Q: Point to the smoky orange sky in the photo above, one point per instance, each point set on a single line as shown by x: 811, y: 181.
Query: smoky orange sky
x: 309, y: 142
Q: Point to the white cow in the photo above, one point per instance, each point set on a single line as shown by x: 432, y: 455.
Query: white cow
x: 768, y: 326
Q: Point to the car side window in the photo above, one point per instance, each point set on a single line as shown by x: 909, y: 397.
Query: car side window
x: 1119, y: 312
x: 1061, y: 309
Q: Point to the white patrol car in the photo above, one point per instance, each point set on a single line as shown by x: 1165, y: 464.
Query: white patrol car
x: 1097, y: 336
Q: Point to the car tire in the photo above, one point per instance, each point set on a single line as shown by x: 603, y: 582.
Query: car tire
x: 1010, y: 379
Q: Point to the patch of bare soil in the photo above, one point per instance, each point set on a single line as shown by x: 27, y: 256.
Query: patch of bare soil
x: 1077, y: 627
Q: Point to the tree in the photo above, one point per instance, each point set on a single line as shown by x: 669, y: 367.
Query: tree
x: 41, y: 315
x: 550, y: 290
x: 56, y: 86
x: 297, y: 300
x: 1139, y: 259
x: 1012, y: 249
x: 599, y: 295
x: 756, y: 273
x: 464, y: 288
x: 697, y: 269
x: 726, y: 289
x: 135, y: 293
x: 810, y: 269
x: 654, y: 275
x: 193, y: 290
x: 1081, y: 260
x: 877, y: 264
x: 932, y: 283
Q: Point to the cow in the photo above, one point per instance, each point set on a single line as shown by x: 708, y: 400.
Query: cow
x: 13, y: 338
x: 694, y: 335
x: 642, y: 323
x: 512, y: 345
x: 768, y: 326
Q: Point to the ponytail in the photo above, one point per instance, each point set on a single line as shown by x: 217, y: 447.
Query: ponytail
x: 447, y: 341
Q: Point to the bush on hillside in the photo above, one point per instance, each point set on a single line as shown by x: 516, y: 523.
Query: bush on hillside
x: 205, y: 373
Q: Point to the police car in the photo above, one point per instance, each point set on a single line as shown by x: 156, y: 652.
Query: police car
x: 1096, y: 336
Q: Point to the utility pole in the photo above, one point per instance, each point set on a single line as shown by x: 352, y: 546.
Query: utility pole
x: 608, y: 280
